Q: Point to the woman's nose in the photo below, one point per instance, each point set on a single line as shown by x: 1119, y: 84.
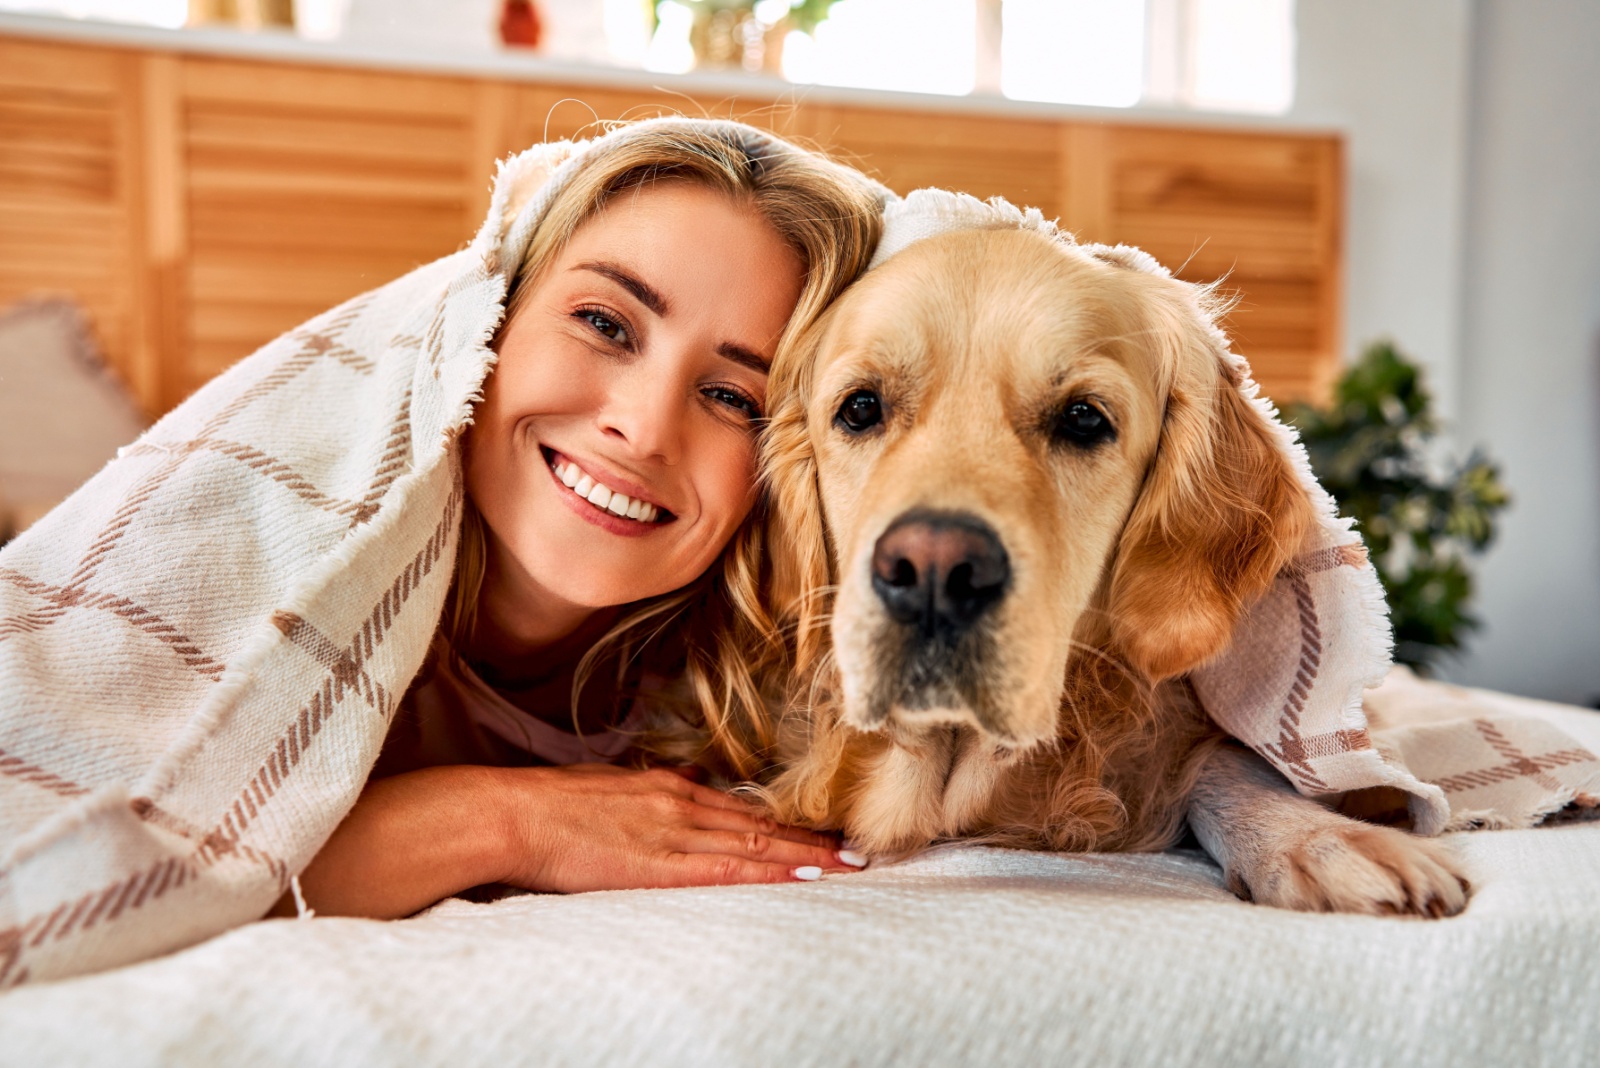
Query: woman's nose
x: 646, y: 412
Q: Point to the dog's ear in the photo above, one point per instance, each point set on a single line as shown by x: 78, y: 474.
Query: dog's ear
x: 1222, y: 511
x: 797, y: 542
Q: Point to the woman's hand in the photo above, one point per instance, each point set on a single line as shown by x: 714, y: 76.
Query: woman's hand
x: 598, y: 827
x: 416, y: 838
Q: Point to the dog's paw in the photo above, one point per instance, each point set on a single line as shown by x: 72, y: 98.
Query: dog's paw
x: 1354, y: 867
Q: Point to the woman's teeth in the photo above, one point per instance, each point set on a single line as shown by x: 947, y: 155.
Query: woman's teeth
x: 618, y: 504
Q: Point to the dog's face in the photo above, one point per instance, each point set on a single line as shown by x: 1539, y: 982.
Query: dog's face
x: 1018, y: 446
x: 983, y: 440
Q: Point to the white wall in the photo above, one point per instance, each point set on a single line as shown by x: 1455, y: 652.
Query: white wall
x: 1474, y: 242
x: 1531, y: 339
x: 1394, y: 76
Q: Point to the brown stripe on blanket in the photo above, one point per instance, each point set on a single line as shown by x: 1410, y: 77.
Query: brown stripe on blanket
x: 1353, y: 554
x: 271, y: 467
x: 345, y: 667
x: 18, y: 768
x: 1303, y: 750
x: 1290, y: 747
x: 315, y: 344
x: 317, y: 339
x: 1518, y: 764
x: 396, y: 455
x: 122, y: 519
x: 64, y: 597
x: 108, y: 903
x: 148, y: 884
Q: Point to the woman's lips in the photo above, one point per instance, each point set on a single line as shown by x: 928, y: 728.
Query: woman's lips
x: 610, y: 509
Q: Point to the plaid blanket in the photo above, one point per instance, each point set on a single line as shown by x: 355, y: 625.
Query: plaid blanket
x: 201, y: 649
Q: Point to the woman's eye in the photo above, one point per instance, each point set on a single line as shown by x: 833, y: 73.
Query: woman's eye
x: 605, y: 326
x: 1082, y: 424
x: 735, y: 400
x: 860, y: 412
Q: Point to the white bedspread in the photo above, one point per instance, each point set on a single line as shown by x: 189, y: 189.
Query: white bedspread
x: 962, y: 956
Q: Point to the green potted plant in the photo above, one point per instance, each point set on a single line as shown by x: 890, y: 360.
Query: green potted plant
x: 1423, y: 520
x: 748, y: 34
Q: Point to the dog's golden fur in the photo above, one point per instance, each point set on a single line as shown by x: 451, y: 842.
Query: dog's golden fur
x: 1062, y: 719
x: 1131, y: 559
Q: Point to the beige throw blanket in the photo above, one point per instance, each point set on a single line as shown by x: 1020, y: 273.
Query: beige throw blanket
x: 201, y: 649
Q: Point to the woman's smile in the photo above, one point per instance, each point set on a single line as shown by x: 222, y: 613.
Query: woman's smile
x: 606, y: 500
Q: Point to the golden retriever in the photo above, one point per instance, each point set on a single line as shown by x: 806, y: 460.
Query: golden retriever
x: 1017, y: 495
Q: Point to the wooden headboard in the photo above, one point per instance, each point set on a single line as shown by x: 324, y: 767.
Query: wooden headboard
x: 198, y: 205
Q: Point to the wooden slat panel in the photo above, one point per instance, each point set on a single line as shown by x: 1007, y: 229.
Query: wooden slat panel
x: 324, y: 89
x: 65, y: 228
x: 157, y: 205
x: 1254, y: 208
x: 199, y: 206
x: 1276, y: 314
x: 307, y: 186
x: 29, y: 64
x: 986, y: 156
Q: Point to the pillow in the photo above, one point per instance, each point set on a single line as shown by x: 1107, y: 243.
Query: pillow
x: 63, y: 415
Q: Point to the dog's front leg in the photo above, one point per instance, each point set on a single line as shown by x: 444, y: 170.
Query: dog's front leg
x: 1279, y: 848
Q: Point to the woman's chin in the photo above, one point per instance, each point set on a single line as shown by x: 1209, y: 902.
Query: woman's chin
x: 588, y: 582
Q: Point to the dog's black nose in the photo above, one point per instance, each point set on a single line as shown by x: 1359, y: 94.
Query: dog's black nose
x: 939, y: 571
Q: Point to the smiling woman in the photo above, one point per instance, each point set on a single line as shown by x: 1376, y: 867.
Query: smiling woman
x: 444, y: 587
x: 611, y: 498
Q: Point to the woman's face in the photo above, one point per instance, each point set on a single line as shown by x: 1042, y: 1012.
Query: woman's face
x: 613, y: 455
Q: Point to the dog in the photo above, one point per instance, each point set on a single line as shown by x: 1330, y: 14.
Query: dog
x: 1017, y: 496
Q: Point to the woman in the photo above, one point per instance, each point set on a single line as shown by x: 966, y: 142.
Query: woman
x: 202, y: 650
x: 610, y: 467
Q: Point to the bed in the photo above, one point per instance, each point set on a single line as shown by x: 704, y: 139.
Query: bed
x: 964, y: 955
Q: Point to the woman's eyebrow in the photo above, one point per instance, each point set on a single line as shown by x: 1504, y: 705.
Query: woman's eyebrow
x: 743, y: 357
x: 641, y: 290
x: 652, y: 299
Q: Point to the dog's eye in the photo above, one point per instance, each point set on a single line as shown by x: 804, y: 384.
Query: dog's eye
x: 1081, y: 423
x: 861, y: 411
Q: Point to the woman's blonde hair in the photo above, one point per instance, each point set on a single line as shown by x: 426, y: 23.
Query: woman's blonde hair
x: 830, y: 215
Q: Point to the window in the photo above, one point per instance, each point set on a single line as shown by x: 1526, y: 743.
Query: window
x: 925, y: 46
x: 169, y: 13
x: 1225, y: 55
x: 1222, y: 55
x: 1073, y: 51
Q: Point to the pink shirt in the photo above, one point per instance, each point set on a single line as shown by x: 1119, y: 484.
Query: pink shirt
x: 453, y: 717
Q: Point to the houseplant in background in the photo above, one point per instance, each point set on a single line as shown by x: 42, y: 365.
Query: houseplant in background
x: 1423, y: 520
x: 746, y: 34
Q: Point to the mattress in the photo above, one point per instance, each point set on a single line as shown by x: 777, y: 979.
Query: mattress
x: 963, y: 955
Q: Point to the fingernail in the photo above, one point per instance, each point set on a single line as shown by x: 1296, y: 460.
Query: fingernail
x: 852, y: 858
x: 810, y: 873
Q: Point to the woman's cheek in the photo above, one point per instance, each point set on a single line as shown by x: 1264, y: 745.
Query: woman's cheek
x: 738, y: 484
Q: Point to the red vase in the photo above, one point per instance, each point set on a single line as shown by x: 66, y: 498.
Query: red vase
x: 519, y: 24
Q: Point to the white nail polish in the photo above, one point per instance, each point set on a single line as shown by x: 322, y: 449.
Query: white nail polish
x: 810, y: 873
x: 852, y: 858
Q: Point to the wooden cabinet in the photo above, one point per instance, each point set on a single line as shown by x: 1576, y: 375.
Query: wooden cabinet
x: 198, y: 205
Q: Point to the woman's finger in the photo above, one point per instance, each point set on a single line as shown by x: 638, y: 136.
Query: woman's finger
x: 705, y: 795
x: 721, y: 819
x: 722, y: 869
x: 752, y: 845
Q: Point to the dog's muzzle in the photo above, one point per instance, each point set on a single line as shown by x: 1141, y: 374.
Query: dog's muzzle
x: 939, y: 573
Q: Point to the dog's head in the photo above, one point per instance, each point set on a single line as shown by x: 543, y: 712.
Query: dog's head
x: 999, y: 447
